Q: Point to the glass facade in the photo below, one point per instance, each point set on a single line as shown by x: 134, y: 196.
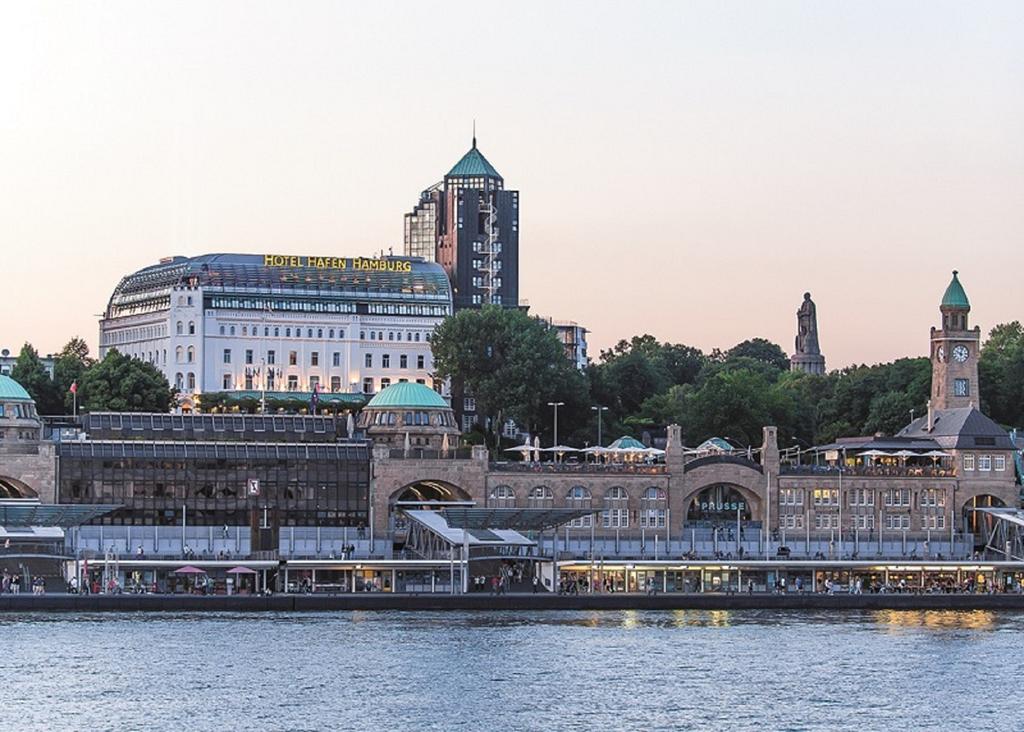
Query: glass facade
x: 217, y: 484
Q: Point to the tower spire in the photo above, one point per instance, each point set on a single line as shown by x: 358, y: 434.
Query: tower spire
x: 474, y: 133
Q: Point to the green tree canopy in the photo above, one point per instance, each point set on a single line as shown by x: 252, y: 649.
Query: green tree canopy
x: 29, y: 371
x: 69, y: 367
x: 119, y: 383
x: 760, y: 349
x: 511, y: 363
x: 1001, y: 373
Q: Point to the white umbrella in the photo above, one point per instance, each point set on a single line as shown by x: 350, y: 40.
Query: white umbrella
x: 350, y: 425
x: 936, y: 454
x: 536, y: 449
x: 560, y: 448
x: 523, y: 450
x: 906, y: 454
x: 872, y: 453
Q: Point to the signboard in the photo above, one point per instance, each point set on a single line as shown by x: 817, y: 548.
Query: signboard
x: 253, y: 487
x: 831, y: 455
x: 361, y: 264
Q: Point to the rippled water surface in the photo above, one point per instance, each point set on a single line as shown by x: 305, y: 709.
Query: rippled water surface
x: 506, y: 671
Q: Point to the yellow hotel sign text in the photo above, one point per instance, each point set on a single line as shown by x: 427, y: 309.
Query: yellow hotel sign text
x: 355, y: 263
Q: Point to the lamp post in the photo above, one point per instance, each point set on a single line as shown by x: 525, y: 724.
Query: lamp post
x: 599, y: 410
x: 556, y: 405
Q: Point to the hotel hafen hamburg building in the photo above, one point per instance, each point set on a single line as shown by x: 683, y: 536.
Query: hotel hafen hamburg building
x: 287, y: 325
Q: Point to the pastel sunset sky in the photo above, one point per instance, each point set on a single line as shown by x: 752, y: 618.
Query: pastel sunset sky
x: 686, y: 169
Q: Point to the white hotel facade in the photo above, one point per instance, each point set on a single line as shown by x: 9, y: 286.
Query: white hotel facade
x: 245, y: 324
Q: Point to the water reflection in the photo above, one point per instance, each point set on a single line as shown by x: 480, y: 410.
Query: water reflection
x: 896, y: 620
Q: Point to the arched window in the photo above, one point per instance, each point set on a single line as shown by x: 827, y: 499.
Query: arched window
x: 616, y: 513
x: 191, y: 358
x: 191, y: 327
x: 178, y: 353
x: 503, y: 496
x: 232, y: 330
x: 191, y: 381
x: 222, y: 330
x: 541, y: 497
x: 179, y: 328
x: 178, y: 380
x: 655, y: 494
x: 579, y: 497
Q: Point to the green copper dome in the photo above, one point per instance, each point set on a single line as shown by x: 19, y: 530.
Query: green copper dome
x: 406, y: 395
x: 473, y: 164
x: 955, y: 297
x: 11, y: 389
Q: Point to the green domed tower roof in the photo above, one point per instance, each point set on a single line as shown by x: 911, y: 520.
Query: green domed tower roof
x: 12, y: 390
x: 473, y: 164
x: 955, y: 297
x: 406, y: 395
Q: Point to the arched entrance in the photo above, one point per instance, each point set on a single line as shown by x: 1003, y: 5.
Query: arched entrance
x: 977, y: 522
x: 422, y: 495
x: 13, y: 488
x: 720, y: 503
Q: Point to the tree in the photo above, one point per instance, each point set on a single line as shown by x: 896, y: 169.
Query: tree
x: 122, y: 384
x: 31, y: 374
x: 510, y: 363
x: 1001, y: 373
x: 69, y: 367
x: 760, y: 349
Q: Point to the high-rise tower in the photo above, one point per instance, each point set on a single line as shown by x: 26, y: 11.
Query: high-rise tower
x: 954, y: 352
x: 469, y: 224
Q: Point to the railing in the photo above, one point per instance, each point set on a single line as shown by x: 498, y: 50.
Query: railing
x: 874, y: 471
x: 630, y: 468
x: 419, y: 453
x: 26, y: 549
x: 721, y: 460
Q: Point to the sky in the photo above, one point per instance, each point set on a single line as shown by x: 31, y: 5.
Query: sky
x: 686, y: 169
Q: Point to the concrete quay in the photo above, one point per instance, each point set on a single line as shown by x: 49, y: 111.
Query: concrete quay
x: 511, y: 602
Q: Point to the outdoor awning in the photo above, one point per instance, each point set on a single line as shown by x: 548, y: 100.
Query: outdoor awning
x: 518, y: 519
x: 64, y: 515
x: 435, y: 522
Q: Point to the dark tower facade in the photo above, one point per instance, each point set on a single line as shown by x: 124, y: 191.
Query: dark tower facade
x: 807, y: 357
x: 469, y: 224
x: 954, y: 352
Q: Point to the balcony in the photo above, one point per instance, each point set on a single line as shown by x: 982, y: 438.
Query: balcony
x: 587, y: 468
x: 873, y: 471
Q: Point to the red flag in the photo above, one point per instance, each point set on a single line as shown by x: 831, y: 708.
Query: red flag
x: 74, y: 387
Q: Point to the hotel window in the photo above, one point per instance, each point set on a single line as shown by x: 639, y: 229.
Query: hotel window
x: 469, y: 404
x: 368, y: 385
x: 314, y: 382
x: 180, y: 327
x: 403, y: 361
x: 385, y: 361
x: 177, y: 385
x: 190, y: 354
x: 277, y: 332
x: 1000, y: 461
x: 248, y: 380
x: 248, y: 355
x: 373, y: 335
x: 287, y: 332
x: 961, y: 387
x: 391, y: 335
x: 178, y: 352
x: 320, y: 333
x: 309, y: 332
x: 314, y: 358
x: 191, y: 381
x: 191, y: 328
x: 477, y: 299
x: 417, y: 336
x: 468, y: 421
x: 266, y: 331
x: 985, y: 462
x: 968, y: 462
x: 385, y: 383
x: 293, y: 358
x: 421, y: 361
x: 245, y: 330
x: 222, y: 330
x: 368, y: 360
x: 341, y: 334
x: 336, y: 359
x: 231, y: 330
x: 503, y: 496
x: 270, y: 379
x: 227, y: 382
x: 270, y: 357
x: 335, y: 383
x: 293, y: 382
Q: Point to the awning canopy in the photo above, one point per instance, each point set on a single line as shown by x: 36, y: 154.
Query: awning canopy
x: 518, y: 519
x: 435, y: 522
x: 64, y: 515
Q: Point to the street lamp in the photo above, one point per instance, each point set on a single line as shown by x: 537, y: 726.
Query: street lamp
x: 556, y: 405
x: 599, y: 410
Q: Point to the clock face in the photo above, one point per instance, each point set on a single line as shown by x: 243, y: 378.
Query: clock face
x: 960, y: 353
x: 940, y: 353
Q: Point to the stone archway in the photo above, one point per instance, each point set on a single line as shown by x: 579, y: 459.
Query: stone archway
x: 14, y: 488
x: 428, y: 491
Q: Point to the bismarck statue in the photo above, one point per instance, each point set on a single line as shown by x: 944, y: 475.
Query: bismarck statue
x: 808, y: 356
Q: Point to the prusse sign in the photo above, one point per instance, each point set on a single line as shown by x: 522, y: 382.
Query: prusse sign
x: 355, y: 263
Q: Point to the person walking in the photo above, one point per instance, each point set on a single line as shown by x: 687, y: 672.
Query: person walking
x: 536, y: 584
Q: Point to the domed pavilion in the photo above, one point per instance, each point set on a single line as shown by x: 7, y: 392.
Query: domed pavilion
x: 409, y: 409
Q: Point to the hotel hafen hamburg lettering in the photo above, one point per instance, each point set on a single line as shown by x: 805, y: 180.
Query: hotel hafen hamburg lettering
x: 355, y: 263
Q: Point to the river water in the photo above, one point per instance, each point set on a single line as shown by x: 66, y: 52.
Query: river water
x: 513, y: 671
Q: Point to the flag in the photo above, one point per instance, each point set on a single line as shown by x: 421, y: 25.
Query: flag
x: 74, y: 387
x: 314, y: 398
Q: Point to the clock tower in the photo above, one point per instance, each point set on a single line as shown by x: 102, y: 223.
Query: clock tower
x: 954, y: 352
